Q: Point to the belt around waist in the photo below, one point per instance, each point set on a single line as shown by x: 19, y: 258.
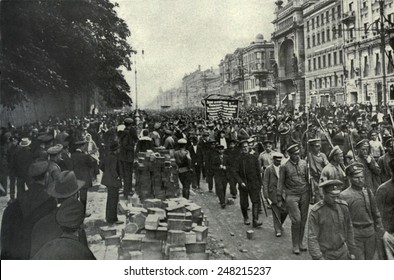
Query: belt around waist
x: 362, y: 225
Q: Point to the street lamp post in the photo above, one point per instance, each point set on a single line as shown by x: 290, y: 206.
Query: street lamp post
x: 382, y: 49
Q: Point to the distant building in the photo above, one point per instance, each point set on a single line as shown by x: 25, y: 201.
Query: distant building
x: 248, y: 73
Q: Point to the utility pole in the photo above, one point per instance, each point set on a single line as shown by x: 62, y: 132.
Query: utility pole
x: 382, y: 49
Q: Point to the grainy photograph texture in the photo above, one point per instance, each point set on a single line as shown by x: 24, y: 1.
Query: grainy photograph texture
x: 196, y: 130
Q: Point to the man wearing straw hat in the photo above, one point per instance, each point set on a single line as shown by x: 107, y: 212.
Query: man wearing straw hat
x: 23, y: 159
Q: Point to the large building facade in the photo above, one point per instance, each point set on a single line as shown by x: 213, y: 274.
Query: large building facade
x: 248, y: 73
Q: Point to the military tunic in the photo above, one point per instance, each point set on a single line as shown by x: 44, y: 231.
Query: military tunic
x: 330, y: 231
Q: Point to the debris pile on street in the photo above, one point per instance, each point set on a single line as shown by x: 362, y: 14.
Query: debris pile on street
x: 156, y: 175
x: 174, y: 229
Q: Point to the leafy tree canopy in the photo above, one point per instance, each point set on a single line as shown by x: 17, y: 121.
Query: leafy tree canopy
x: 53, y: 46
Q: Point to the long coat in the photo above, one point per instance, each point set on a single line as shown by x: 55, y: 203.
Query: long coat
x: 270, y: 184
x: 110, y: 168
x: 197, y: 157
x: 23, y: 159
x: 19, y: 219
x: 83, y: 164
x: 127, y: 140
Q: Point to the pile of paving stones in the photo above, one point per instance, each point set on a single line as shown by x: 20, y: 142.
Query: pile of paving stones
x: 156, y: 175
x: 173, y: 229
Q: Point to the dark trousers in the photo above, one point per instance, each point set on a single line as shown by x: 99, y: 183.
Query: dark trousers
x: 83, y: 197
x: 221, y: 186
x: 279, y: 214
x: 127, y: 174
x: 298, y: 206
x: 12, y: 186
x: 233, y: 183
x: 20, y: 185
x: 111, y: 209
x: 244, y: 194
x: 366, y: 247
x: 196, y: 176
x: 186, y: 181
x: 209, y: 173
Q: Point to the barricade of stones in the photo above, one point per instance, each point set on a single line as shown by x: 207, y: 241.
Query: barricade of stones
x: 156, y: 175
x: 173, y: 229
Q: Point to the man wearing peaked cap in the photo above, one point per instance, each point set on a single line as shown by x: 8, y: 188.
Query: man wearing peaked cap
x: 327, y: 216
x: 364, y: 213
x: 317, y: 161
x: 54, y: 160
x: 333, y: 170
x: 70, y: 217
x: 371, y: 168
x: 293, y: 181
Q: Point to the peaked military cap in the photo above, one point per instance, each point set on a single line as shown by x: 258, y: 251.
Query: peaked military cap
x: 354, y: 169
x: 331, y: 186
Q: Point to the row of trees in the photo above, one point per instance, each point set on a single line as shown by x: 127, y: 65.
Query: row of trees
x: 63, y: 46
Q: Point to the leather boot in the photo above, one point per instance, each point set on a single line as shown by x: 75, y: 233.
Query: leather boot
x: 255, y: 213
x: 302, y: 246
x: 245, y: 215
x: 295, y: 238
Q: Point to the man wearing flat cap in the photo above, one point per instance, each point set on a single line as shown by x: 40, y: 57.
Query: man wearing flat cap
x: 273, y: 194
x: 364, y: 213
x: 371, y: 168
x: 317, y: 161
x: 333, y: 170
x: 293, y: 181
x: 22, y: 214
x: 330, y: 235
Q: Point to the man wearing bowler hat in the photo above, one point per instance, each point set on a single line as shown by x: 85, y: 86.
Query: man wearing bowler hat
x: 330, y: 235
x: 22, y: 214
x: 293, y: 180
x: 47, y: 228
x: 364, y: 213
x: 220, y: 164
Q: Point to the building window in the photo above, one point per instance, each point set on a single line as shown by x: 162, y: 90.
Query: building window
x: 328, y: 17
x: 310, y: 85
x: 313, y: 40
x: 272, y: 55
x: 352, y: 72
x: 366, y: 28
x: 390, y: 67
x: 314, y: 63
x: 339, y: 11
x: 377, y: 66
x: 319, y: 62
x: 333, y: 13
x: 328, y: 35
x: 317, y: 22
x: 320, y: 83
x: 366, y: 66
x: 322, y: 19
x: 318, y: 38
x: 329, y: 60
x: 308, y: 40
x: 324, y: 61
x: 339, y: 30
x: 313, y: 23
x: 309, y: 65
x: 334, y: 33
x: 340, y: 57
x: 335, y: 58
x: 350, y: 6
x: 307, y: 26
x: 364, y: 4
x: 323, y: 37
x: 351, y: 33
x: 367, y: 97
x: 335, y: 80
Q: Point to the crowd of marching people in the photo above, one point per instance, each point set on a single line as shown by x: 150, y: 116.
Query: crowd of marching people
x: 340, y: 159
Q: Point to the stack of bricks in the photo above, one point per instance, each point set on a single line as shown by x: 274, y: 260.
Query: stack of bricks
x: 156, y: 175
x: 173, y: 229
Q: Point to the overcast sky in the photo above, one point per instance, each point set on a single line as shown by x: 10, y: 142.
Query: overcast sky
x: 179, y: 35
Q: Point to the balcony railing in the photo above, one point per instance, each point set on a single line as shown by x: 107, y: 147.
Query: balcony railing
x: 348, y: 17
